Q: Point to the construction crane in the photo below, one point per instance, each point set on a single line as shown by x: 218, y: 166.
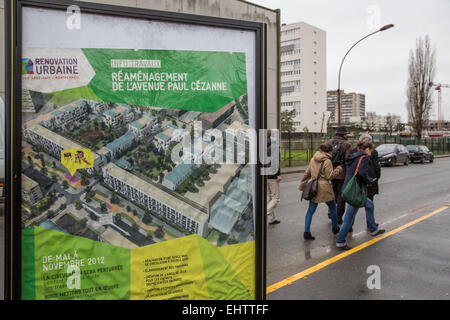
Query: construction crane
x: 438, y: 88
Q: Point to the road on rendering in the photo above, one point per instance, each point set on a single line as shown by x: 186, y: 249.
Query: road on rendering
x: 412, y: 261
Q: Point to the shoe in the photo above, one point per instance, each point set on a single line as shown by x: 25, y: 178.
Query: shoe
x: 274, y: 222
x: 380, y: 231
x: 345, y: 248
x: 368, y: 229
x: 335, y: 230
x: 308, y: 236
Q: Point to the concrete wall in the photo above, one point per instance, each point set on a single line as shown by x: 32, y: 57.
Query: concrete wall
x: 233, y: 9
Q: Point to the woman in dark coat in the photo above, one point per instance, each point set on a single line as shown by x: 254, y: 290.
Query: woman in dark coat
x: 374, y: 168
x: 359, y: 157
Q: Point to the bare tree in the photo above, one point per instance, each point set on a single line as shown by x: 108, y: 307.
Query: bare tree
x: 422, y: 68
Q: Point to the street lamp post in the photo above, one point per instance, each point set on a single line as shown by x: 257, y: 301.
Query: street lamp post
x: 388, y: 26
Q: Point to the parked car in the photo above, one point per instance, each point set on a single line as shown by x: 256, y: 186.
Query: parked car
x: 420, y: 153
x: 391, y: 154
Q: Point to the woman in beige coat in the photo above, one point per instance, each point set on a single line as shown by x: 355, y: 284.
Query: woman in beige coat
x: 324, y: 190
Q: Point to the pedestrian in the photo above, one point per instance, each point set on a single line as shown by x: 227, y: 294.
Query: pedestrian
x: 325, y: 193
x: 273, y: 185
x: 341, y: 149
x: 374, y: 169
x: 361, y: 157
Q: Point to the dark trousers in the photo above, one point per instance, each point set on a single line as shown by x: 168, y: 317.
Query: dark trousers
x: 369, y: 196
x: 337, y: 188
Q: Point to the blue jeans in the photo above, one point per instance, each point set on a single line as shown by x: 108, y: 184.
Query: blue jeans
x: 349, y: 218
x: 312, y: 208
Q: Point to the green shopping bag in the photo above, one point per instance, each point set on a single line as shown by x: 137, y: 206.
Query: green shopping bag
x: 353, y: 193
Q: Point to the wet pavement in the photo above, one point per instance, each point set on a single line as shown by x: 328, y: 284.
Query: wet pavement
x: 412, y: 258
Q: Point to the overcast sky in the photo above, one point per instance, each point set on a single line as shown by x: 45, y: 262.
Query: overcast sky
x: 378, y: 66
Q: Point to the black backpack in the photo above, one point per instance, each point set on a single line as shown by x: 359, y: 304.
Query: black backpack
x: 338, y: 155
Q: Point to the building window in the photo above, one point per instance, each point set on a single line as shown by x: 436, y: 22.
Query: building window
x: 292, y: 105
x: 295, y: 43
x: 290, y: 73
x: 290, y: 32
x: 290, y: 83
x: 290, y: 52
x: 290, y: 93
x: 290, y: 63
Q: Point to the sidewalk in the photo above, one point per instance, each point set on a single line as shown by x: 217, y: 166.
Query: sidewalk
x: 288, y: 170
x: 301, y: 169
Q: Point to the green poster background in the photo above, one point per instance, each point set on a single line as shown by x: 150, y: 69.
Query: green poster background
x: 104, y: 269
x: 187, y: 267
x: 194, y: 91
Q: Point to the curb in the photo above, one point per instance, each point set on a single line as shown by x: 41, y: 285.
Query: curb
x: 293, y: 171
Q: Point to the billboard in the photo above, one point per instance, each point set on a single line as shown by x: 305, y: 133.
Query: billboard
x: 135, y: 172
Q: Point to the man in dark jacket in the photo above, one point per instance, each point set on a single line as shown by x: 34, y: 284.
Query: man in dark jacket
x: 339, y: 140
x: 361, y: 156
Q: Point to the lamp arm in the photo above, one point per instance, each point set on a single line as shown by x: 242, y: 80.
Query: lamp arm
x: 342, y: 62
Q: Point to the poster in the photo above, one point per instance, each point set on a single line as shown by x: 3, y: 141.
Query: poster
x: 123, y: 192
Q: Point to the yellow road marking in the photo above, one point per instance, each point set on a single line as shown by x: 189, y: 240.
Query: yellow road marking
x: 304, y: 273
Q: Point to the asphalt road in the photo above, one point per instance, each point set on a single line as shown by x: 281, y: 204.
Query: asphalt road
x: 414, y: 262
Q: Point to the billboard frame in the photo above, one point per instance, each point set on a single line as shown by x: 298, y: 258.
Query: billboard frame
x: 13, y: 104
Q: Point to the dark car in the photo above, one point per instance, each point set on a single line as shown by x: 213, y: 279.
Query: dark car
x: 420, y: 153
x: 391, y: 154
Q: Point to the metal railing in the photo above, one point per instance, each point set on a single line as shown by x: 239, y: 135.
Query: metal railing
x: 299, y: 151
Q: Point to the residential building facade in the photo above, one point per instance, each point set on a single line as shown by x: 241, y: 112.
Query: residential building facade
x: 212, y: 120
x: 121, y: 144
x: 31, y: 192
x: 143, y: 126
x: 153, y: 198
x: 303, y: 76
x: 353, y: 107
x: 62, y: 116
x: 171, y: 134
x: 176, y: 177
x: 118, y: 116
x: 54, y: 143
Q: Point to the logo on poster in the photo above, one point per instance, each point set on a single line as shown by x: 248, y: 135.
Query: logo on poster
x: 27, y: 66
x: 56, y: 66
